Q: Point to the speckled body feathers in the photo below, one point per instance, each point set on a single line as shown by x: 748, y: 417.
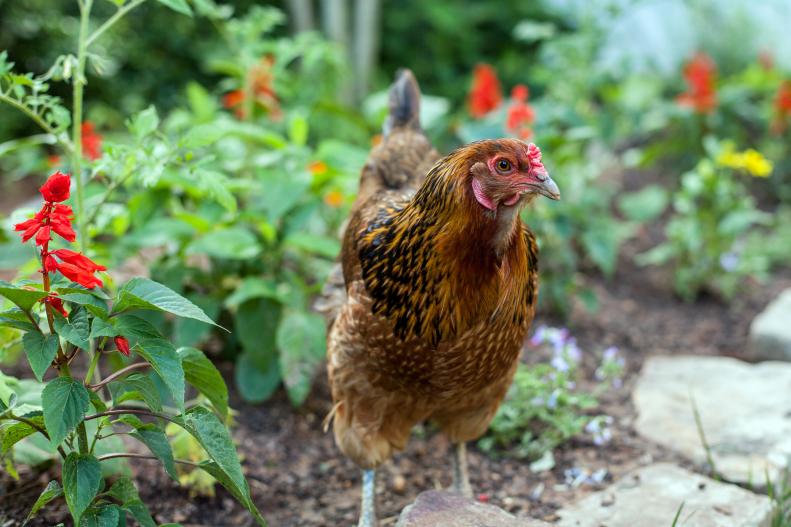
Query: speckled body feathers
x: 435, y: 312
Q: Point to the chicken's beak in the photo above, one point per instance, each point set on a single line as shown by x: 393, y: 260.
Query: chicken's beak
x: 548, y: 188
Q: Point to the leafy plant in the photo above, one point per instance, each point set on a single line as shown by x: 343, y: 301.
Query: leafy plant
x: 235, y: 206
x: 544, y: 408
x: 713, y: 216
x: 68, y: 318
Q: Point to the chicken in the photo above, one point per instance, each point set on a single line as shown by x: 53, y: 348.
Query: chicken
x: 437, y: 291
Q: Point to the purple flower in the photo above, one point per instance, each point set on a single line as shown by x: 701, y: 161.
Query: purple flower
x: 559, y: 363
x: 729, y: 261
x: 572, y: 350
x: 539, y: 335
x: 552, y: 402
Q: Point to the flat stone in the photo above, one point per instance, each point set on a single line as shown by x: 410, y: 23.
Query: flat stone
x: 652, y: 495
x: 435, y: 508
x: 770, y: 331
x: 744, y: 409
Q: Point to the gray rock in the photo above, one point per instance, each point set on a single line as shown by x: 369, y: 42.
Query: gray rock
x: 745, y: 411
x: 770, y: 332
x: 652, y: 495
x: 444, y: 509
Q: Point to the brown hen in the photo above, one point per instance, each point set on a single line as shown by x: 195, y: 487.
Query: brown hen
x: 437, y: 292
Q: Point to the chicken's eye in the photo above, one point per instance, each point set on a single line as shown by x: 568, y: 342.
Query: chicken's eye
x: 503, y: 165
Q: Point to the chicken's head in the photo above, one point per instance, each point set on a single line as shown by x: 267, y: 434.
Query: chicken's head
x: 508, y: 173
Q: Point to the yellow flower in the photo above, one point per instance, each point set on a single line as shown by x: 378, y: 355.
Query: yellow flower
x: 756, y: 164
x: 750, y: 161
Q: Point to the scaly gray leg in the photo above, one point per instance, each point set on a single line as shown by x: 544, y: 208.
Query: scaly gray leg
x: 461, y: 476
x: 368, y: 508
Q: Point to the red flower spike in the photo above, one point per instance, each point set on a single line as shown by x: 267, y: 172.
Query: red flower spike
x: 56, y: 304
x: 91, y: 142
x: 520, y: 93
x: 43, y: 236
x: 56, y: 188
x: 122, y: 344
x: 30, y: 227
x: 78, y: 260
x: 65, y: 231
x: 485, y: 94
x: 79, y: 275
x: 701, y: 94
x: 50, y: 265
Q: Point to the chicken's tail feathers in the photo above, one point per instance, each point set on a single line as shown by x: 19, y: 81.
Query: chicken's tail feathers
x: 404, y: 103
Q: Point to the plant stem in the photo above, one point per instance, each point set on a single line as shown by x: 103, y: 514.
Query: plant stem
x: 91, y: 368
x: 61, y: 138
x: 111, y: 21
x: 78, y: 84
x: 143, y: 456
x: 116, y: 375
x: 122, y: 411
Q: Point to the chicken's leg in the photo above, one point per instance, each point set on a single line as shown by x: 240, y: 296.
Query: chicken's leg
x: 368, y: 507
x: 461, y: 476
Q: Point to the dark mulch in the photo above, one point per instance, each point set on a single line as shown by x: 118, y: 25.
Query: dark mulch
x: 298, y: 477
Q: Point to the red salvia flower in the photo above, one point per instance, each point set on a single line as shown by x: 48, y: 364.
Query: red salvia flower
x: 75, y: 266
x: 78, y: 259
x: 782, y: 107
x: 485, y: 94
x: 79, y: 275
x: 91, y: 142
x: 56, y: 188
x: 259, y: 79
x: 122, y: 344
x: 701, y: 94
x: 56, y: 304
x: 56, y: 217
x: 520, y: 114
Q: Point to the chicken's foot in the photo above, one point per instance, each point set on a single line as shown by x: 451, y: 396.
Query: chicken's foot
x: 368, y: 507
x: 461, y: 475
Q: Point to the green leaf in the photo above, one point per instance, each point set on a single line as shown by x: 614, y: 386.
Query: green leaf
x: 202, y: 135
x: 135, y: 328
x: 233, y: 243
x: 253, y: 287
x: 144, y: 123
x: 65, y: 402
x: 123, y: 490
x: 82, y: 478
x: 300, y: 339
x: 645, y: 204
x: 204, y: 376
x: 95, y: 305
x: 16, y: 318
x: 40, y: 350
x: 180, y: 6
x: 140, y: 513
x: 103, y: 328
x: 256, y: 384
x: 256, y: 324
x: 242, y: 495
x: 18, y: 431
x: 157, y: 442
x: 52, y: 491
x: 24, y: 298
x: 298, y: 129
x: 147, y: 294
x: 162, y: 356
x: 138, y: 387
x: 102, y: 516
x: 75, y: 329
x: 213, y: 436
x: 321, y: 245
